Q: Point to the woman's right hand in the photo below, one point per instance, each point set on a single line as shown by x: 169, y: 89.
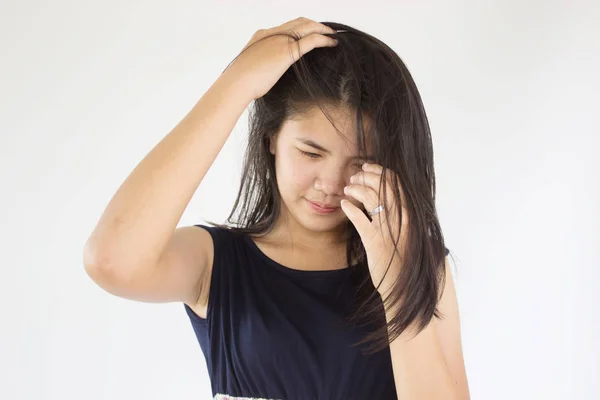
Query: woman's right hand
x: 263, y: 61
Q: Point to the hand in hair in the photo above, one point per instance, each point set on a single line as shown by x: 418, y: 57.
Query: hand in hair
x: 270, y: 52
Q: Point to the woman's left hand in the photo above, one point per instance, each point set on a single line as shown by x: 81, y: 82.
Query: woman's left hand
x: 375, y: 235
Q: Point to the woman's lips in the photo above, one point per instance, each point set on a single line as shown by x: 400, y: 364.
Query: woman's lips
x: 322, y: 210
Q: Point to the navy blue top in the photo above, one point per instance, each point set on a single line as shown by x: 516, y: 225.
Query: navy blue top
x: 273, y: 332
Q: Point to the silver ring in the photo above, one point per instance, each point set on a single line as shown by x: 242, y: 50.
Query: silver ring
x: 376, y: 210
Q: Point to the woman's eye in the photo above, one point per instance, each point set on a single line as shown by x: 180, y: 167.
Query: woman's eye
x: 311, y: 155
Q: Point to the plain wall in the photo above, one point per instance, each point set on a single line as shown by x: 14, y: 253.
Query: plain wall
x: 511, y: 90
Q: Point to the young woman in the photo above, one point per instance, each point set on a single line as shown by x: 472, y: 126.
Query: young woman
x: 329, y: 280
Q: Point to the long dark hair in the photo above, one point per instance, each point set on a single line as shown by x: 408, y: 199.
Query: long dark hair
x: 365, y: 75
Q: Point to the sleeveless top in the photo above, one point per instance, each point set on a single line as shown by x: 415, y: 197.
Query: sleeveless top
x: 273, y: 332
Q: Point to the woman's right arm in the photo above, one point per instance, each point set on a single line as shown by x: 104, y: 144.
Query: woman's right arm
x: 135, y: 250
x: 136, y: 236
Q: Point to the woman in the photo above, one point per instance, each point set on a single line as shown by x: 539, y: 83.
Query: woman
x: 330, y: 280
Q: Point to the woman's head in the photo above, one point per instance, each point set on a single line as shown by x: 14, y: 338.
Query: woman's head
x: 343, y: 105
x: 313, y: 161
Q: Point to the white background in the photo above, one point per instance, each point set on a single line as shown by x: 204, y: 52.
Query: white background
x: 511, y: 90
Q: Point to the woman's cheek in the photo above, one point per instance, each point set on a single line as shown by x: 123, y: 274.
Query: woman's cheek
x: 294, y: 172
x: 304, y: 174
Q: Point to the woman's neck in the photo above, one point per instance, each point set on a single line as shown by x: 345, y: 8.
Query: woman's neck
x: 297, y: 247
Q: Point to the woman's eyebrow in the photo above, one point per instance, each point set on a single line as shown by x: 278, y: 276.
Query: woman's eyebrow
x: 317, y: 146
x: 310, y: 143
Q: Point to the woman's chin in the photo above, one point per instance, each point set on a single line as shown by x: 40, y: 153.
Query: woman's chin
x: 328, y: 224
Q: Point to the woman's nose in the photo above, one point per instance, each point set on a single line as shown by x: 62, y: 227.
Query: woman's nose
x: 332, y: 182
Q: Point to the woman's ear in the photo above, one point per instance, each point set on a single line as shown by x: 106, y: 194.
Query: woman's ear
x: 272, y: 144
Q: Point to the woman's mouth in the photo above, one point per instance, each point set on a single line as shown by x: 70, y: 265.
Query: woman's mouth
x: 322, y: 208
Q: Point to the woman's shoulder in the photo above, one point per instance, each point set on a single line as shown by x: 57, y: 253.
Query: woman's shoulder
x: 222, y: 251
x: 222, y: 232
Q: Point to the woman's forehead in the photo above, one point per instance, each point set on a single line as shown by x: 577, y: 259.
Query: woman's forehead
x: 314, y: 125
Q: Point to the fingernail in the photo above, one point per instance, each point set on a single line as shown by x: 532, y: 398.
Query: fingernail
x: 353, y: 179
x: 365, y: 166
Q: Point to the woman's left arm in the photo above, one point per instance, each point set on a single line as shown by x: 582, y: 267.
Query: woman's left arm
x: 431, y: 365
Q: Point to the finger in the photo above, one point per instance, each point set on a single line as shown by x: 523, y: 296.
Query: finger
x: 311, y: 42
x: 391, y: 176
x: 374, y: 181
x: 303, y: 27
x: 358, y: 219
x: 378, y: 170
x: 367, y: 196
x: 370, y: 167
x: 307, y: 26
x: 370, y: 200
x: 391, y: 179
x: 369, y: 179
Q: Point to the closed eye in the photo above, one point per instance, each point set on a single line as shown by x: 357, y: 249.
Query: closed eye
x: 310, y: 155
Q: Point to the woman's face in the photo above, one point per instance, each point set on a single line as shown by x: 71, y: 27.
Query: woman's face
x: 313, y: 163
